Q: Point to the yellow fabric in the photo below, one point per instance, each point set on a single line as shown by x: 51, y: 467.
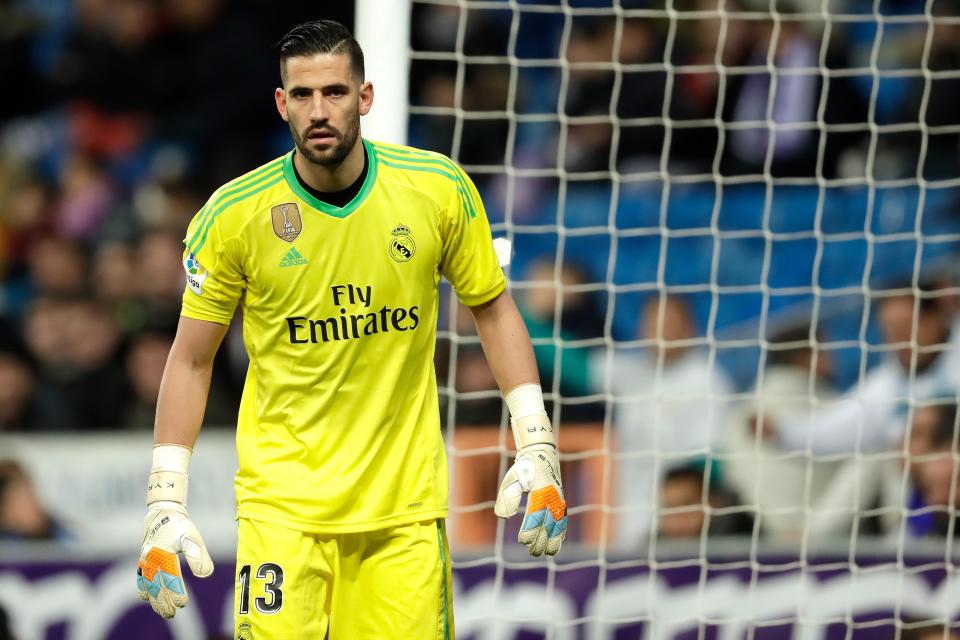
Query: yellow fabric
x: 392, y: 584
x: 339, y: 425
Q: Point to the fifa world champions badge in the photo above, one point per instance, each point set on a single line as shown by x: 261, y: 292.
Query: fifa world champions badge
x: 287, y: 223
x: 402, y: 246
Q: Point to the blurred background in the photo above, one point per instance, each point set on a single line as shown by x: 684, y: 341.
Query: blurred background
x: 735, y: 231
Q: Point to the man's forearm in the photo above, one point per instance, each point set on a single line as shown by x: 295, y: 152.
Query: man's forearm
x: 186, y: 382
x: 536, y: 469
x: 181, y: 403
x: 506, y: 343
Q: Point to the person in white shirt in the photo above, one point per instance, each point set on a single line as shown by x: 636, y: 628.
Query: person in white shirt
x: 670, y: 400
x: 923, y: 366
x: 781, y: 486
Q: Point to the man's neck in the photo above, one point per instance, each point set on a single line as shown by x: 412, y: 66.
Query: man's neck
x: 331, y: 179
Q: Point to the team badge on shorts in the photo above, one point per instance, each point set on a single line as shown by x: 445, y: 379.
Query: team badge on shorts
x: 402, y: 246
x: 287, y: 223
x: 244, y: 632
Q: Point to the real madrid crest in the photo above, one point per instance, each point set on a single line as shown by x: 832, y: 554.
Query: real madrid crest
x: 287, y: 223
x: 244, y: 632
x: 402, y: 246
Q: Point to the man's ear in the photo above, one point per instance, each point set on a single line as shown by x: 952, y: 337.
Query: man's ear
x: 280, y: 96
x: 366, y: 98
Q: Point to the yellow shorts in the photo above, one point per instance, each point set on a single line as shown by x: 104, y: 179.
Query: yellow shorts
x: 375, y: 585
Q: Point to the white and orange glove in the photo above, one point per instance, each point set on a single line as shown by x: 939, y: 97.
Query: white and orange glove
x: 167, y: 532
x: 536, y: 471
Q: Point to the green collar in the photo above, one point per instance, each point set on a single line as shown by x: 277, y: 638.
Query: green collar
x: 320, y: 205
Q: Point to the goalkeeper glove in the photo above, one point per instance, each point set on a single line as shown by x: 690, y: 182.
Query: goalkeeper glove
x: 535, y: 470
x: 168, y: 531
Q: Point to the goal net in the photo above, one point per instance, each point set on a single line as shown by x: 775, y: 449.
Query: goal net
x: 732, y: 228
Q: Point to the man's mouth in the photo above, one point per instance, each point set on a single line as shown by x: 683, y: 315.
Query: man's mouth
x: 320, y: 135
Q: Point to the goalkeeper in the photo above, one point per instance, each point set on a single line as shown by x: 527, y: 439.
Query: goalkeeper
x: 334, y: 252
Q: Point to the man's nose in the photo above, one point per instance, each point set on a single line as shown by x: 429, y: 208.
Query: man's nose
x: 318, y: 110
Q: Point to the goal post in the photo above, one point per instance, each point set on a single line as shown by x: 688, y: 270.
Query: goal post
x: 383, y: 31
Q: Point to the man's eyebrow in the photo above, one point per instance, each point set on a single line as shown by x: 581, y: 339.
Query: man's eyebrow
x: 327, y: 87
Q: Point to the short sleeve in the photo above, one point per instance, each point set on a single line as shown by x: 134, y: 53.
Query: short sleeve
x: 468, y: 259
x: 215, y: 278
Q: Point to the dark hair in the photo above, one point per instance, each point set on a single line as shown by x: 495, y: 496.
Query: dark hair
x: 5, y: 631
x: 10, y: 470
x: 689, y: 472
x: 320, y: 36
x: 788, y: 344
x: 924, y: 631
x: 929, y: 291
x: 943, y: 432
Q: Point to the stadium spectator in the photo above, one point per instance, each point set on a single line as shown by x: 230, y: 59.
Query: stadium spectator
x: 16, y: 392
x: 42, y: 332
x: 911, y: 631
x: 934, y: 473
x: 580, y: 319
x: 670, y: 403
x: 874, y: 419
x: 698, y: 93
x: 58, y: 267
x: 145, y: 360
x: 159, y: 275
x: 472, y: 375
x: 18, y: 40
x: 793, y: 99
x: 484, y: 140
x: 795, y: 380
x: 588, y: 144
x: 86, y: 198
x: 638, y: 94
x: 23, y: 407
x: 25, y: 206
x: 76, y: 343
x: 210, y: 93
x: 22, y: 516
x: 938, y: 109
x: 112, y: 273
x: 926, y: 421
x: 687, y: 495
x: 5, y: 632
x: 924, y: 366
x: 880, y: 494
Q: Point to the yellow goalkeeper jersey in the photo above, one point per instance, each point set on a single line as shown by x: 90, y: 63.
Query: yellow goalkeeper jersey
x: 339, y: 426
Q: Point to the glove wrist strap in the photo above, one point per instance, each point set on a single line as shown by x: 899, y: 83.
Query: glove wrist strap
x: 167, y: 486
x: 168, y: 476
x: 528, y: 417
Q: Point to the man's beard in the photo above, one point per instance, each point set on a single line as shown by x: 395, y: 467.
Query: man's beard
x: 333, y: 156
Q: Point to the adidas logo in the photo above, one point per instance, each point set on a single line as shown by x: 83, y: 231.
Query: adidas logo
x: 293, y: 259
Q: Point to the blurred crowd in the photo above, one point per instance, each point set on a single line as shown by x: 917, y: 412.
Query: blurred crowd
x: 794, y: 96
x: 126, y: 114
x: 794, y: 457
x: 123, y: 116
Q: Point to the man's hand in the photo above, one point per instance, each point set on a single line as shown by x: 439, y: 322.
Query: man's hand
x: 167, y: 532
x: 537, y: 471
x: 762, y: 426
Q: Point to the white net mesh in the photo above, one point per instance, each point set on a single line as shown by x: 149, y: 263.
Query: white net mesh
x: 733, y: 229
